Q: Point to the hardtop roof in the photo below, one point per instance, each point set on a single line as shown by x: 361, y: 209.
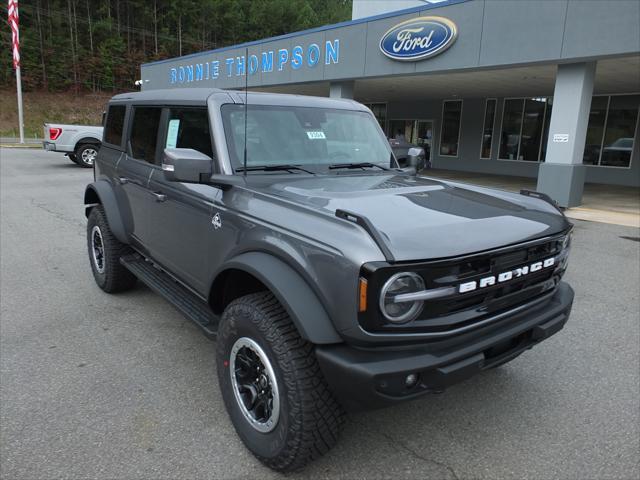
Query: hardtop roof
x: 195, y: 96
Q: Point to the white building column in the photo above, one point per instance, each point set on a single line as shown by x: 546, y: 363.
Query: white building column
x: 341, y: 89
x: 562, y: 174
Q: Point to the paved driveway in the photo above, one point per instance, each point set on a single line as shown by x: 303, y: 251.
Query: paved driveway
x: 99, y: 386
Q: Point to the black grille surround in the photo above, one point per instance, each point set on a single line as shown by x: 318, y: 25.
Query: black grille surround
x: 463, y: 311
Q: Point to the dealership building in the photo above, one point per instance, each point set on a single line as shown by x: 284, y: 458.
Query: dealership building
x: 548, y: 89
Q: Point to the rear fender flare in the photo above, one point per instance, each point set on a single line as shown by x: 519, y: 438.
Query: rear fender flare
x: 101, y: 193
x: 292, y: 291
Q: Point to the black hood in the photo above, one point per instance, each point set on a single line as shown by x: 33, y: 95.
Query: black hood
x: 420, y: 217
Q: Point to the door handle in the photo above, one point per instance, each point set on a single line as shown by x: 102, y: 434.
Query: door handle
x: 131, y: 181
x: 160, y: 197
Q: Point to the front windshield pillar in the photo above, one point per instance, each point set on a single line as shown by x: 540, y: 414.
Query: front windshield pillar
x: 214, y: 105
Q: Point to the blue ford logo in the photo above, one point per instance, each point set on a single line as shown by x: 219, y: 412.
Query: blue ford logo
x: 418, y: 38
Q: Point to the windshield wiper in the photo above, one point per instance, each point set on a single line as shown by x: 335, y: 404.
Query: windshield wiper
x: 362, y: 165
x: 273, y: 168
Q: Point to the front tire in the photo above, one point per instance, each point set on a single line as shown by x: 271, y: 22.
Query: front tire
x: 86, y: 155
x: 105, y: 251
x: 272, y: 386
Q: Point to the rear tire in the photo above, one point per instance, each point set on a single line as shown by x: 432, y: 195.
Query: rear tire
x: 105, y: 251
x: 86, y: 154
x: 305, y: 421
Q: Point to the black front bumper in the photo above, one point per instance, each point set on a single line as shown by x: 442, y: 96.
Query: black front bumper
x: 373, y: 378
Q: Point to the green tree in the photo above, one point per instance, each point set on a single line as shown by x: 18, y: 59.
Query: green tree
x: 99, y: 44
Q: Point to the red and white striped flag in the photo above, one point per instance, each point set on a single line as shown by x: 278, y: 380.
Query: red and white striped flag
x: 15, y: 32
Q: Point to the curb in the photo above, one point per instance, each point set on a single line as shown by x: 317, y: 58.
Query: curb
x: 20, y: 145
x: 604, y: 216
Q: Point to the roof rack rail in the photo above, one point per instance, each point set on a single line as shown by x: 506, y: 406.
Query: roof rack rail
x: 366, y: 224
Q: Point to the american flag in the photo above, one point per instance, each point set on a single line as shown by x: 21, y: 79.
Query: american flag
x: 15, y: 33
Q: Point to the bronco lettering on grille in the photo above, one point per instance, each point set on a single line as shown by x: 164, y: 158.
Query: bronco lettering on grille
x: 506, y: 276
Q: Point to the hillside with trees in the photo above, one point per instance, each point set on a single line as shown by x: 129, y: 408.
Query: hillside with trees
x: 98, y: 45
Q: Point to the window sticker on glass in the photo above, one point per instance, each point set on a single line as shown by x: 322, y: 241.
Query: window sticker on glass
x: 172, y: 133
x: 316, y: 135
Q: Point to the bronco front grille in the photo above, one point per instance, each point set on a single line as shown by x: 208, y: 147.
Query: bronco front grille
x: 459, y: 310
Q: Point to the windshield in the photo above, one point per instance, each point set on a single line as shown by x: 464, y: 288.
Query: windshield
x: 303, y: 136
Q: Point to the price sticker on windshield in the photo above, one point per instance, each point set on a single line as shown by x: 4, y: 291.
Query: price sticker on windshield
x: 316, y: 135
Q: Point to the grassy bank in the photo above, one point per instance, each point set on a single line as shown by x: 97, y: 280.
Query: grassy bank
x: 41, y: 107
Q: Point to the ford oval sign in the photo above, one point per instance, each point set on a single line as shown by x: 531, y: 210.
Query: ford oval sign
x: 418, y: 38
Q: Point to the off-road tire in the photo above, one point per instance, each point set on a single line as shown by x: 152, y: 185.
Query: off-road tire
x: 310, y: 418
x: 114, y: 277
x: 82, y: 150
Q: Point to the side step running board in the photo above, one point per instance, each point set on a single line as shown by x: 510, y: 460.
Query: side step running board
x: 185, y: 301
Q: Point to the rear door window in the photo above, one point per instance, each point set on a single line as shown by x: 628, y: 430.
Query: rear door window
x: 115, y: 124
x: 144, y: 133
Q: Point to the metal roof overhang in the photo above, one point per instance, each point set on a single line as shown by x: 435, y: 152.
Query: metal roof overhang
x: 502, y: 48
x: 613, y: 76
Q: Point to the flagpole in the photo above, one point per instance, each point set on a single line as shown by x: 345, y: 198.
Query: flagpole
x: 14, y: 21
x: 19, y: 91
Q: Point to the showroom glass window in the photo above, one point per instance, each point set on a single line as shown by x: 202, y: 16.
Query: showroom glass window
x: 545, y: 132
x: 525, y: 126
x: 511, y: 126
x: 115, y: 124
x: 450, y: 134
x: 403, y: 130
x: 144, y: 133
x: 487, y: 130
x: 595, y: 130
x: 610, y: 134
x: 416, y: 132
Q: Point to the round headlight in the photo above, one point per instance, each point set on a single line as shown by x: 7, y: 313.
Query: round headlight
x: 401, y: 311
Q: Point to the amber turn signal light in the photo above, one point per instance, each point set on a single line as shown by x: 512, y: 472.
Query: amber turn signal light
x: 362, y: 303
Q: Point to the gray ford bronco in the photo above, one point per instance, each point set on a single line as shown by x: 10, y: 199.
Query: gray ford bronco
x: 332, y: 279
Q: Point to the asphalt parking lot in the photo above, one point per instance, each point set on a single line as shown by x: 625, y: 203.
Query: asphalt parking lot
x: 99, y: 386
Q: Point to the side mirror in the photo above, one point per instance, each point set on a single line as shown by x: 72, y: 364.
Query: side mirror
x: 186, y: 165
x: 415, y: 158
x: 414, y: 162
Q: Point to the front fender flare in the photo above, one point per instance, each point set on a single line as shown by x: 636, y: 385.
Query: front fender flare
x: 101, y: 193
x: 293, y: 292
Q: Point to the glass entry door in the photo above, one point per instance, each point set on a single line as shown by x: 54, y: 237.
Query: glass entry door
x: 424, y: 136
x: 416, y: 132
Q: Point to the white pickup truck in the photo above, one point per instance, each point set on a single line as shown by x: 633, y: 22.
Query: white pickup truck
x: 79, y: 142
